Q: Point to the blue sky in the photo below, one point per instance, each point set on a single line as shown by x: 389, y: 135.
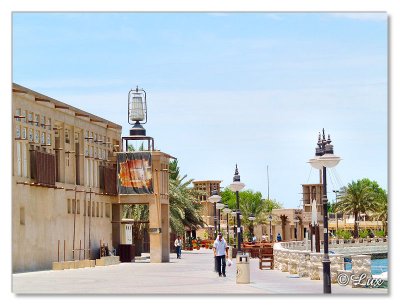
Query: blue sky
x: 225, y: 88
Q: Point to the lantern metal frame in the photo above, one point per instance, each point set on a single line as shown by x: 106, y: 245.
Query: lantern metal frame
x: 137, y: 128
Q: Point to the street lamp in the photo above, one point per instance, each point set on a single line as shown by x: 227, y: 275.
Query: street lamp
x: 137, y: 111
x: 296, y: 221
x: 236, y: 186
x: 233, y: 213
x: 365, y: 225
x: 219, y: 206
x: 336, y: 197
x: 324, y: 158
x: 227, y: 210
x: 214, y: 199
x: 251, y: 219
x: 270, y: 228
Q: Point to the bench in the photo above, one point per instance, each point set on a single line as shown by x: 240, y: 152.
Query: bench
x: 266, y: 258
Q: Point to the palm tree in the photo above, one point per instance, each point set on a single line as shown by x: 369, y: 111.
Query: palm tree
x: 140, y: 215
x: 284, y: 219
x: 381, y: 210
x: 355, y: 199
x: 185, y: 208
x: 251, y: 203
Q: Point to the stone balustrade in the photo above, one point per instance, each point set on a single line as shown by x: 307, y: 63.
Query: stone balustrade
x: 345, y: 247
x: 284, y: 261
x: 361, y: 264
x: 293, y: 262
x: 303, y: 266
x: 295, y: 258
x: 337, y: 264
x: 315, y: 265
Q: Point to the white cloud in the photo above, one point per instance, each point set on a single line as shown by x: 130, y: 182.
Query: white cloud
x: 373, y: 16
x: 74, y: 83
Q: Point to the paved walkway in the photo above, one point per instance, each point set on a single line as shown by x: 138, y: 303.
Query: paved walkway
x: 193, y: 274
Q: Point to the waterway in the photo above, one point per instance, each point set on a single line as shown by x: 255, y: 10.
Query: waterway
x: 378, y: 265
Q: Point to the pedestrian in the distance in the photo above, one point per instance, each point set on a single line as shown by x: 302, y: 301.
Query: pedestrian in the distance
x: 279, y: 238
x: 220, y: 249
x: 178, y: 246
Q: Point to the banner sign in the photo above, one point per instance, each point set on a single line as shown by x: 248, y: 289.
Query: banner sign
x: 134, y: 173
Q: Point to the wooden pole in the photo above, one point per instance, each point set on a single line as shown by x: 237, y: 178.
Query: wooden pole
x: 90, y: 217
x: 84, y: 225
x: 73, y: 239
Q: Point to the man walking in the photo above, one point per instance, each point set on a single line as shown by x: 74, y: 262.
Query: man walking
x: 220, y: 249
x: 178, y: 246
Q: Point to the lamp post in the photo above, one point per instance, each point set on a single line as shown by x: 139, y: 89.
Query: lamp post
x: 337, y: 222
x: 227, y: 210
x: 296, y: 221
x: 251, y: 219
x: 365, y: 225
x: 324, y: 158
x: 214, y: 199
x: 270, y: 227
x: 234, y: 226
x: 219, y: 206
x: 236, y: 186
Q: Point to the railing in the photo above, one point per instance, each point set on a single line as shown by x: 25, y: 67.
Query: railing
x: 43, y: 168
x: 344, y: 247
x: 108, y: 179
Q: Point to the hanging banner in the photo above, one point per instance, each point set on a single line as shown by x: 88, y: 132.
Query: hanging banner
x: 134, y: 173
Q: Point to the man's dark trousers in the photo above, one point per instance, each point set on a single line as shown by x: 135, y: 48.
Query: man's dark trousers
x: 178, y: 251
x: 221, y: 262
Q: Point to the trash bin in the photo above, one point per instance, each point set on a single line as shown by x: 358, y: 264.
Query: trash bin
x: 126, y: 252
x: 242, y: 269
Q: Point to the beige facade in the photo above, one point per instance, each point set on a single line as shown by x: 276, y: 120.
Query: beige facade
x: 208, y: 215
x: 62, y: 208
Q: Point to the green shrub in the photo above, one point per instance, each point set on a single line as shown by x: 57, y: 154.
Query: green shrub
x: 379, y: 233
x: 363, y: 233
x: 343, y: 234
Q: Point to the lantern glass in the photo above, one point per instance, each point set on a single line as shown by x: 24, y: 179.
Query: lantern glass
x: 137, y: 112
x: 214, y: 198
x: 329, y: 160
x: 226, y: 209
x: 236, y: 186
x: 220, y: 205
x: 315, y: 163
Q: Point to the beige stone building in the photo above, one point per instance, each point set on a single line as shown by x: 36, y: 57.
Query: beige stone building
x: 64, y: 195
x: 208, y: 215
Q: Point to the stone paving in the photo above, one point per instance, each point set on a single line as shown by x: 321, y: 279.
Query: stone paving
x: 193, y: 274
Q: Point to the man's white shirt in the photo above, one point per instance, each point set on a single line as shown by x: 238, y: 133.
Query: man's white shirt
x: 220, y: 247
x: 178, y: 242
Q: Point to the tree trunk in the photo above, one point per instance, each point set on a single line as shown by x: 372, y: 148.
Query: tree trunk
x: 355, y: 224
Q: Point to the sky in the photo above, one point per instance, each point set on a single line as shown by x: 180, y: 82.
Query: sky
x: 335, y: 64
x: 252, y: 89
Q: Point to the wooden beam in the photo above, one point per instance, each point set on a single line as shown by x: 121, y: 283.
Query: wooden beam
x: 19, y: 91
x: 95, y: 120
x: 61, y: 106
x: 42, y: 99
x: 81, y: 115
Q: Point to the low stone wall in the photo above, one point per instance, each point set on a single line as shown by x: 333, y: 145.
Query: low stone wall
x: 107, y: 260
x: 86, y: 263
x: 73, y: 264
x: 307, y: 264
